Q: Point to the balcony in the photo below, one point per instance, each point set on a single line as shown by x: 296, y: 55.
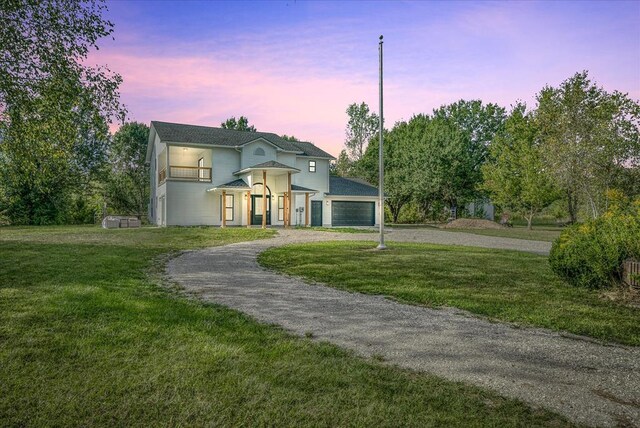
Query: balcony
x: 185, y: 173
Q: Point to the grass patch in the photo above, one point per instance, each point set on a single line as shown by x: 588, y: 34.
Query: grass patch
x: 538, y: 233
x: 503, y: 285
x: 87, y: 338
x: 339, y: 229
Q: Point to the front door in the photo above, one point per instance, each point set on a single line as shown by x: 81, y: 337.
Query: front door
x: 316, y: 213
x: 256, y: 210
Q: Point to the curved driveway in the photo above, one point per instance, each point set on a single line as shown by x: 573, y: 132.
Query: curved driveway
x: 588, y: 382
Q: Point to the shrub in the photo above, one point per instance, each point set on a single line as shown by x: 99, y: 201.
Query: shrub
x: 591, y: 254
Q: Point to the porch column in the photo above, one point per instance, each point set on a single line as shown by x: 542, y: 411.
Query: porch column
x: 284, y: 207
x: 264, y: 199
x: 306, y: 209
x: 224, y: 209
x: 248, y: 208
x: 168, y: 174
x: 289, y: 198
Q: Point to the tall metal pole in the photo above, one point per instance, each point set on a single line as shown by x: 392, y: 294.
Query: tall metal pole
x: 381, y: 245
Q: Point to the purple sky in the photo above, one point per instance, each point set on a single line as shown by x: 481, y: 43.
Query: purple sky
x: 293, y: 67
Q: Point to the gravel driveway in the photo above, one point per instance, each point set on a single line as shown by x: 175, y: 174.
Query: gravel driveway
x: 590, y: 383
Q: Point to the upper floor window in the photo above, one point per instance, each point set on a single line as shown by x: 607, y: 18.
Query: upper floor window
x: 312, y: 166
x: 259, y: 152
x: 201, y: 171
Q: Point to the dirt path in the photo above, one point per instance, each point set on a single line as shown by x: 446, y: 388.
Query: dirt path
x: 588, y: 382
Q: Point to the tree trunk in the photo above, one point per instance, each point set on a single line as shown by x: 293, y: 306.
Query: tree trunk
x: 529, y: 219
x: 572, y: 205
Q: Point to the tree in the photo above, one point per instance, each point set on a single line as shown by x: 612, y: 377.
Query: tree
x: 241, y: 124
x: 54, y: 110
x: 342, y: 166
x: 442, y: 165
x: 477, y: 125
x: 362, y: 125
x: 397, y: 174
x: 515, y: 176
x: 589, y: 137
x: 128, y: 183
x: 289, y: 137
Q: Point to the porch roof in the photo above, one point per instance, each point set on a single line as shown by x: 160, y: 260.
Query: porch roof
x: 268, y: 166
x: 238, y: 184
x: 300, y: 189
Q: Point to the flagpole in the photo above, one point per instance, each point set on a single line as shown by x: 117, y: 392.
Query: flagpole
x: 381, y: 245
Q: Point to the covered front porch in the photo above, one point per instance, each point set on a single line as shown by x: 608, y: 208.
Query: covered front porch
x: 267, y: 197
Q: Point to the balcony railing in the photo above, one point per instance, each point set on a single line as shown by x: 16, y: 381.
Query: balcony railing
x: 185, y: 173
x: 190, y: 173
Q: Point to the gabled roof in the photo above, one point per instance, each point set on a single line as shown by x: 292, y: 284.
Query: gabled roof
x: 194, y: 134
x: 311, y: 150
x: 269, y: 165
x: 235, y: 184
x: 296, y: 188
x: 342, y: 186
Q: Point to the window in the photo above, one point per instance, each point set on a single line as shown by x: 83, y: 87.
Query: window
x: 281, y: 208
x: 259, y: 152
x: 228, y: 206
x: 201, y: 175
x: 312, y: 166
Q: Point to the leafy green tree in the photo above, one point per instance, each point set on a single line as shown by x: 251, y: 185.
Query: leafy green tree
x: 361, y: 127
x: 289, y: 137
x: 342, y: 166
x: 589, y: 138
x: 397, y: 175
x: 515, y: 176
x: 54, y: 110
x: 479, y: 122
x: 442, y: 165
x: 241, y: 124
x: 128, y: 184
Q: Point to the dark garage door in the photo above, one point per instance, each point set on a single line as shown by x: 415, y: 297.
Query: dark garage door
x: 347, y: 213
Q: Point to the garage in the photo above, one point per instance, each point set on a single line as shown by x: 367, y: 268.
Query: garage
x: 352, y: 213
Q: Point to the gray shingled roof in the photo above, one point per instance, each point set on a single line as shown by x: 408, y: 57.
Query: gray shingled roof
x: 297, y: 188
x: 194, y: 134
x: 341, y: 186
x: 268, y: 164
x: 235, y: 184
x: 311, y: 150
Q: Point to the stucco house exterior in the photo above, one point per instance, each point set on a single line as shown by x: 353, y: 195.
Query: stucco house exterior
x: 213, y: 176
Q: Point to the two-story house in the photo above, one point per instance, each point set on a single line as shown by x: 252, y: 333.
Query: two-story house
x: 213, y: 176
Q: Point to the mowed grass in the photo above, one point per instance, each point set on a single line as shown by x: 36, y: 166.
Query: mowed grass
x: 88, y: 338
x: 502, y: 285
x: 339, y: 229
x: 538, y: 233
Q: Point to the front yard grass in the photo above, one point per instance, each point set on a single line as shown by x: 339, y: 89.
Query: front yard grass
x: 339, y: 229
x: 88, y: 338
x: 538, y: 233
x: 502, y: 285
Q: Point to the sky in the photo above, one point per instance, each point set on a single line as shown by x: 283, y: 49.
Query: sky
x: 293, y: 67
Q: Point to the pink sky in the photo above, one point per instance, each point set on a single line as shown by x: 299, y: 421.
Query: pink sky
x: 294, y: 67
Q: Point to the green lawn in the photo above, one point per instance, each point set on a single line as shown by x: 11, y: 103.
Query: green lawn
x: 502, y: 285
x: 339, y: 229
x: 538, y: 233
x: 88, y: 337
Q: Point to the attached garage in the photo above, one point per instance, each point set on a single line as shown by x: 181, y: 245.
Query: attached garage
x: 352, y: 213
x: 350, y: 202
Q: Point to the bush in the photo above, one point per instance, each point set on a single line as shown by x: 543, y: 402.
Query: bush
x: 591, y: 254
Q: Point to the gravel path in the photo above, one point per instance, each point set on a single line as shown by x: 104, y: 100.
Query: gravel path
x: 588, y: 382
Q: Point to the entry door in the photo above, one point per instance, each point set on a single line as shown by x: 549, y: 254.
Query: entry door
x: 316, y: 213
x: 256, y: 210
